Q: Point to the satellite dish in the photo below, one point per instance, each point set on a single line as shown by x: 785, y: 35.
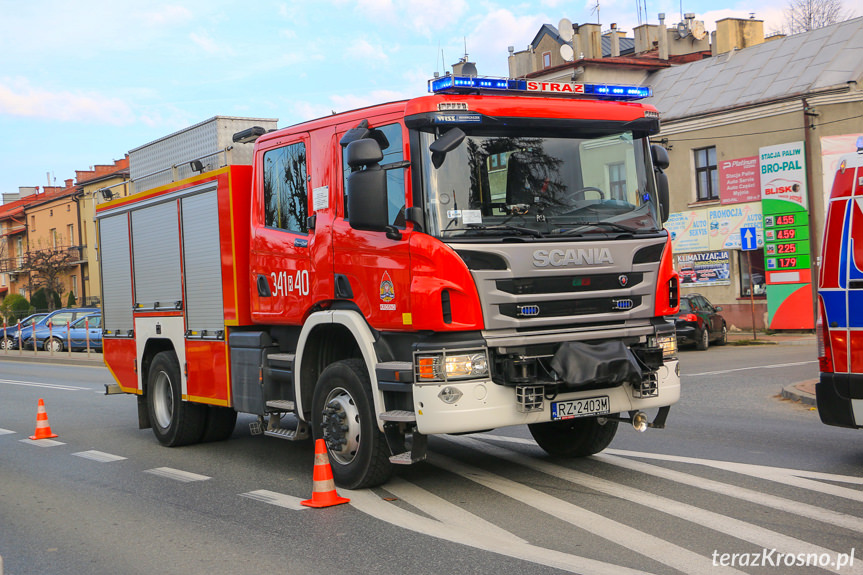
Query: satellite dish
x: 682, y: 32
x: 567, y: 53
x: 698, y: 31
x: 564, y: 28
x: 469, y: 69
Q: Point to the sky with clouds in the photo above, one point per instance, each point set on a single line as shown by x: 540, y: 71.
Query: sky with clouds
x: 82, y: 82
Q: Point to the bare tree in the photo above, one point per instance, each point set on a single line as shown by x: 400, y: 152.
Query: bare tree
x: 47, y: 267
x: 806, y: 15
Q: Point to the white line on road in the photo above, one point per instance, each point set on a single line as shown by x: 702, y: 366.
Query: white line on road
x: 773, y: 366
x: 371, y: 504
x: 632, y: 538
x: 46, y: 385
x: 274, y: 498
x: 99, y: 456
x: 177, y: 474
x: 6, y: 431
x: 742, y: 493
x: 760, y: 536
x: 42, y: 442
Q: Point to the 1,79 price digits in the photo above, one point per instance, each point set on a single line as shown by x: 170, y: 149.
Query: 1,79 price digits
x: 787, y: 262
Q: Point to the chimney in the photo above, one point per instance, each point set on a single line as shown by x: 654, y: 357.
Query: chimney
x: 590, y: 40
x: 738, y: 33
x: 69, y: 182
x: 615, y: 41
x: 663, y: 38
x: 646, y: 37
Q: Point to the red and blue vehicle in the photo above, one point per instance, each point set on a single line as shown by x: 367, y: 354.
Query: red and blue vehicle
x: 839, y: 391
x: 492, y: 254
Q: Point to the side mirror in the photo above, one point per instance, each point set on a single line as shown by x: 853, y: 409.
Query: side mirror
x: 660, y: 156
x: 445, y: 144
x: 367, y: 188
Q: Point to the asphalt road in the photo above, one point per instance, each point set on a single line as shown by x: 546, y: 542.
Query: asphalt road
x: 737, y: 471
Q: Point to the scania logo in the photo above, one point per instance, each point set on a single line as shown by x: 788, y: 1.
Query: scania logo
x: 623, y: 279
x: 528, y: 310
x: 572, y: 257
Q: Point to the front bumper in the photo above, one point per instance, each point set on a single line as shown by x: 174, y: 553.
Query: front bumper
x: 840, y: 399
x: 484, y: 405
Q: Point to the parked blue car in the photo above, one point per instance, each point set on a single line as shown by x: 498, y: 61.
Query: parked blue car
x: 50, y: 331
x: 9, y: 340
x: 86, y: 331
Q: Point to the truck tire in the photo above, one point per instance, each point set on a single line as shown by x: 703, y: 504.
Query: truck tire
x: 578, y: 437
x: 175, y: 422
x: 703, y: 341
x: 220, y: 423
x: 343, y: 415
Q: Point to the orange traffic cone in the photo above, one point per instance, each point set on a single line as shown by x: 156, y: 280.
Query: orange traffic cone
x: 43, y: 430
x: 323, y: 488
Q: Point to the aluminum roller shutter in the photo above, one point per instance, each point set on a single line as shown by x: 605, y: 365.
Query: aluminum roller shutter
x: 156, y: 249
x: 202, y: 258
x: 116, y: 274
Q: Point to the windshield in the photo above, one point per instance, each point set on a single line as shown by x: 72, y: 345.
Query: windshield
x: 538, y: 185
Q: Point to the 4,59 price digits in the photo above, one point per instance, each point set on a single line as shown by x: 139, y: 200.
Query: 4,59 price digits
x: 788, y: 234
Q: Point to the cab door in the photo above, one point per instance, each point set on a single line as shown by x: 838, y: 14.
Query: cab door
x: 372, y: 268
x: 280, y: 244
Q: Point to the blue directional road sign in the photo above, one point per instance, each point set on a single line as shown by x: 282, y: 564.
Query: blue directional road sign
x: 748, y: 239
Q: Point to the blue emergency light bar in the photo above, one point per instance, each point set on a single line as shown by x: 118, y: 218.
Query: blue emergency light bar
x: 469, y: 84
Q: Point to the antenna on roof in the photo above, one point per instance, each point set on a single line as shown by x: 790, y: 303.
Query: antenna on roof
x: 596, y: 9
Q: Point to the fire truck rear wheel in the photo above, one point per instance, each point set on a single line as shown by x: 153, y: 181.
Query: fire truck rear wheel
x: 343, y: 415
x: 578, y: 437
x: 175, y: 422
x: 220, y: 423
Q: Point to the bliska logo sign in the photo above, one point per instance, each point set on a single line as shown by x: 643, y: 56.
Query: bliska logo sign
x: 570, y: 257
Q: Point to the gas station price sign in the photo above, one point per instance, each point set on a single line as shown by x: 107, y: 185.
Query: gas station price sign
x: 786, y: 241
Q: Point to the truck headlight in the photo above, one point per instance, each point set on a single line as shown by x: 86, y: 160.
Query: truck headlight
x: 668, y: 343
x: 442, y: 366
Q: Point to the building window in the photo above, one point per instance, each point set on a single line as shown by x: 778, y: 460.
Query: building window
x: 286, y: 195
x: 706, y: 174
x: 32, y: 223
x: 71, y: 231
x: 546, y: 59
x: 617, y: 180
x: 73, y: 280
x: 53, y: 235
x: 759, y: 282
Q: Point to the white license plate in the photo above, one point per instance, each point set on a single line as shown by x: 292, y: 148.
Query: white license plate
x: 580, y: 407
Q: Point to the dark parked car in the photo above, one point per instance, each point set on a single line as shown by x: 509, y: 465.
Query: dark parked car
x: 699, y: 322
x: 9, y: 339
x: 51, y: 329
x: 86, y: 331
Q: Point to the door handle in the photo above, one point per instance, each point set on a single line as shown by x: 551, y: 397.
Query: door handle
x: 264, y: 286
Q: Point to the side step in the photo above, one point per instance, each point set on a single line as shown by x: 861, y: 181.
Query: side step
x: 396, y: 437
x: 417, y: 452
x: 399, y: 416
x: 275, y: 430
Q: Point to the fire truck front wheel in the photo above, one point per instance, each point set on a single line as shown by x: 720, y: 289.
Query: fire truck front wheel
x: 578, y: 437
x: 175, y: 422
x: 343, y: 415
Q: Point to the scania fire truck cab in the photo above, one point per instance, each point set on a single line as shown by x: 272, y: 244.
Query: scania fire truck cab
x: 839, y: 392
x: 486, y: 256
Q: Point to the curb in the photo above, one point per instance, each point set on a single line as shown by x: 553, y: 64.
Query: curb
x: 800, y: 392
x: 95, y: 360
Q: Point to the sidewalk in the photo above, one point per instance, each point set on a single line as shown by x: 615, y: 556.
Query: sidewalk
x: 58, y: 358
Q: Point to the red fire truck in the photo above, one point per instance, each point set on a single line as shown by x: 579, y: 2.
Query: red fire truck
x: 839, y: 391
x: 489, y: 255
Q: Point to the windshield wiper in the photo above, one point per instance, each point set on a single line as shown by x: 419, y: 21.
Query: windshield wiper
x: 506, y: 227
x: 613, y: 225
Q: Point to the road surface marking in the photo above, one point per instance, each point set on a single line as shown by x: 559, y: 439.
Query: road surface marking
x: 43, y: 442
x: 371, y: 504
x: 760, y: 536
x: 6, y: 431
x: 632, y: 538
x: 177, y: 474
x: 274, y: 498
x: 774, y: 366
x: 46, y: 385
x: 99, y: 456
x: 445, y: 511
